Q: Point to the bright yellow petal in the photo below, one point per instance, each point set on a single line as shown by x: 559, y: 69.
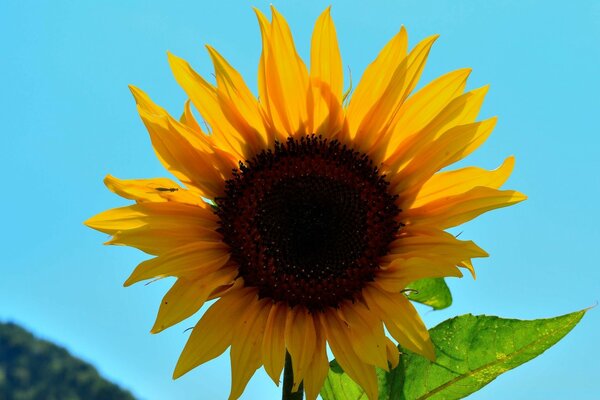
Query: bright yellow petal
x: 152, y: 190
x: 300, y: 339
x: 452, y: 146
x: 273, y: 345
x: 327, y: 78
x: 206, y: 142
x: 205, y: 99
x: 227, y: 161
x: 141, y: 189
x: 285, y: 77
x: 187, y: 296
x: 432, y: 242
x: 400, y: 272
x: 161, y: 117
x: 188, y: 119
x: 276, y: 127
x: 214, y: 332
x: 455, y: 210
x: 375, y: 80
x: 159, y: 240
x: 461, y: 110
x: 155, y: 227
x: 338, y: 337
x: 181, y: 150
x: 468, y: 265
x: 192, y: 259
x: 319, y: 366
x: 436, y: 246
x: 166, y: 215
x: 366, y: 333
x: 238, y: 103
x: 422, y: 107
x: 401, y: 319
x: 378, y: 120
x: 246, y: 344
x: 450, y: 183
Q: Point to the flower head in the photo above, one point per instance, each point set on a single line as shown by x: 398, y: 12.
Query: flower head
x: 303, y: 217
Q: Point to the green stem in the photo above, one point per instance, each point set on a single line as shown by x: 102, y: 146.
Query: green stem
x: 288, y: 382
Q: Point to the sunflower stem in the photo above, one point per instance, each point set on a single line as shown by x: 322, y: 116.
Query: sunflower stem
x: 288, y: 382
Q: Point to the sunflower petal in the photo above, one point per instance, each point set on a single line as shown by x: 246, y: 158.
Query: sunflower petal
x: 450, y: 183
x: 181, y: 150
x: 285, y: 76
x: 375, y: 80
x: 319, y: 366
x: 468, y: 265
x: 246, y: 344
x: 152, y: 190
x: 300, y: 339
x: 342, y: 346
x: 432, y: 243
x: 452, y: 146
x: 422, y: 107
x: 327, y: 78
x: 461, y: 110
x: 214, y: 332
x: 273, y: 345
x: 141, y: 189
x: 188, y: 119
x: 165, y: 215
x: 204, y: 97
x: 187, y: 296
x: 192, y: 259
x: 238, y: 103
x: 455, y: 210
x: 158, y: 241
x: 366, y: 333
x: 276, y: 128
x: 401, y: 319
x: 381, y: 115
x: 205, y: 142
x: 400, y: 272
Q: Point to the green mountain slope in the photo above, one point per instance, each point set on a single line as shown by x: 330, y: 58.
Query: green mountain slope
x: 33, y: 369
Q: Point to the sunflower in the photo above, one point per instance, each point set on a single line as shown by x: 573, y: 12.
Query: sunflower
x: 305, y: 213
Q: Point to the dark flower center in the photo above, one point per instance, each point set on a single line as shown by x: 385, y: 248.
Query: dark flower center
x: 308, y: 221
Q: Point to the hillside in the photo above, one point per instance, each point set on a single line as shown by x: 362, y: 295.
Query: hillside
x: 33, y: 369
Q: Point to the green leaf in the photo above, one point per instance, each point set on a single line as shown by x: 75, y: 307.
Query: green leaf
x: 432, y: 292
x: 473, y: 350
x: 338, y: 386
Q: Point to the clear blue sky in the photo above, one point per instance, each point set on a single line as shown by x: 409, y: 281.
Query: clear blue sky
x: 68, y: 119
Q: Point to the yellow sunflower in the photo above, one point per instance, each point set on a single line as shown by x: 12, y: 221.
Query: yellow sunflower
x: 306, y: 218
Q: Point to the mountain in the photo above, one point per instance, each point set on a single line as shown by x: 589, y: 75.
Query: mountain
x: 34, y: 369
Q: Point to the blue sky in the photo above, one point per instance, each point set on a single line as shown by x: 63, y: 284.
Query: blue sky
x: 68, y: 119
